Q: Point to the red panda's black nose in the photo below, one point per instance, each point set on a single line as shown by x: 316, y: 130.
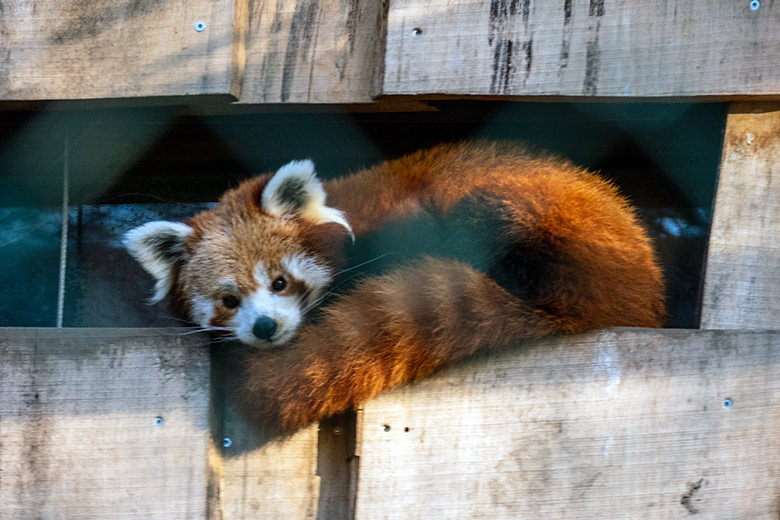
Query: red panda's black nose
x: 264, y: 328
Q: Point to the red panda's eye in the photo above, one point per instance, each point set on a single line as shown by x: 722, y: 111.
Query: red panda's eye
x: 279, y: 284
x: 231, y: 302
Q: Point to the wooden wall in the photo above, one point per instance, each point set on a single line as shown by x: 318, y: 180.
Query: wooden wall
x: 620, y: 423
x: 611, y: 424
x: 339, y: 51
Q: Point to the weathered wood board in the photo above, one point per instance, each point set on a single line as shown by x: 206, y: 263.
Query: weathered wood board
x: 109, y: 49
x: 102, y: 423
x: 742, y: 280
x: 261, y: 476
x: 267, y: 479
x: 620, y: 423
x: 604, y: 48
x: 302, y: 51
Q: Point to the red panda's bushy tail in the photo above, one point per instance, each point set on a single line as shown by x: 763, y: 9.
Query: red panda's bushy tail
x: 571, y: 256
x: 388, y: 331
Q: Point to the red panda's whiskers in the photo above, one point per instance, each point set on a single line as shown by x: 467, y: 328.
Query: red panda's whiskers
x: 197, y: 330
x: 187, y: 331
x: 194, y: 329
x: 224, y: 339
x: 367, y: 262
x: 332, y: 290
x: 313, y: 303
x: 180, y: 320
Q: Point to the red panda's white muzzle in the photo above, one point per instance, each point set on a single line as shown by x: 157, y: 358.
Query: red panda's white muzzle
x: 265, y: 318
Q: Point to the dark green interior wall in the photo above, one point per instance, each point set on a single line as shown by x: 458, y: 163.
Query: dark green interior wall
x: 130, y: 165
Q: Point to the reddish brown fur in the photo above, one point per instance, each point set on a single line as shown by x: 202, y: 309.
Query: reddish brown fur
x: 412, y: 322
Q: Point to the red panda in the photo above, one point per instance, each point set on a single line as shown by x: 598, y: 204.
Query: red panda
x: 563, y: 252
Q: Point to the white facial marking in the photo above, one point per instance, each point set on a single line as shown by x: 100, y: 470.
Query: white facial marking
x: 306, y: 269
x: 284, y: 310
x: 229, y: 286
x: 261, y: 275
x: 202, y: 310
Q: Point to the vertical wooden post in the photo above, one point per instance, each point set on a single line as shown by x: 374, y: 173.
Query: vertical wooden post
x: 742, y: 280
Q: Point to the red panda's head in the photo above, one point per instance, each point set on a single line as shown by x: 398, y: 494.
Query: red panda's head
x: 254, y: 264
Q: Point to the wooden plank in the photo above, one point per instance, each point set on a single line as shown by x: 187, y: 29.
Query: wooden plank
x: 620, y: 423
x: 109, y: 49
x: 604, y: 48
x: 79, y: 429
x: 337, y: 467
x: 742, y: 281
x: 266, y: 478
x: 261, y: 476
x: 303, y: 51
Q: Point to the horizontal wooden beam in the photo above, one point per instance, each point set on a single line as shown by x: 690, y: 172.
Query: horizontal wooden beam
x: 595, y: 48
x: 331, y: 51
x: 258, y: 51
x: 115, y: 49
x: 618, y: 423
x: 610, y: 424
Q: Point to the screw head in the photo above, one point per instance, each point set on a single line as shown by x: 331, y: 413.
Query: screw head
x: 417, y: 31
x: 728, y: 402
x: 159, y: 421
x: 755, y: 4
x: 227, y: 442
x: 200, y: 26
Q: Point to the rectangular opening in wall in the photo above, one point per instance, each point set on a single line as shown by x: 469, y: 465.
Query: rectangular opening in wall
x: 131, y: 165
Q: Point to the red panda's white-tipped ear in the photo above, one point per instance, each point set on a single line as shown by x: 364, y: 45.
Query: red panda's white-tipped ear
x: 295, y: 190
x: 157, y: 246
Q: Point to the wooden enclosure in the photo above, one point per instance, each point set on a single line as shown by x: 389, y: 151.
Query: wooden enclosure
x: 618, y: 423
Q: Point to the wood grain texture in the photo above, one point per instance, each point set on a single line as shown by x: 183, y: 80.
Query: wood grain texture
x: 313, y: 51
x: 304, y: 476
x: 260, y: 476
x: 619, y: 424
x: 114, y: 48
x: 270, y: 479
x: 604, y: 48
x: 742, y: 281
x: 78, y: 437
